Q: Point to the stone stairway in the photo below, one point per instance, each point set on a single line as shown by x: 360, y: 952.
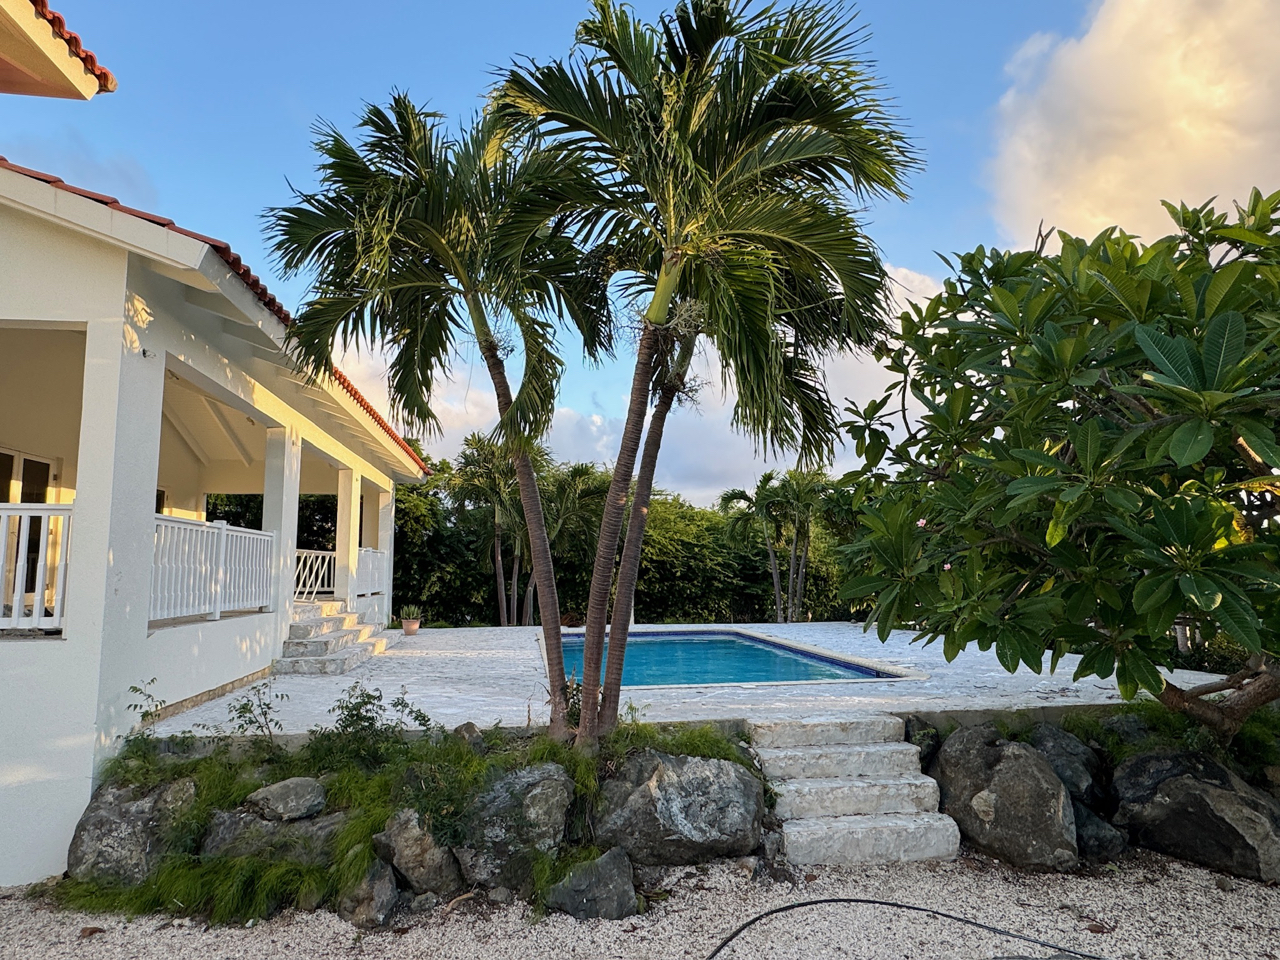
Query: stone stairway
x: 851, y: 791
x: 326, y: 638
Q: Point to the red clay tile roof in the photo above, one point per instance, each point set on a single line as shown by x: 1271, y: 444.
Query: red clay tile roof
x: 106, y: 79
x: 238, y: 266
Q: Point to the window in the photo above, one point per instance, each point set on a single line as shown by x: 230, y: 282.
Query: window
x: 160, y: 501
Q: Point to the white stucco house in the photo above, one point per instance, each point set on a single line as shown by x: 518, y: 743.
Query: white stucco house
x: 141, y: 369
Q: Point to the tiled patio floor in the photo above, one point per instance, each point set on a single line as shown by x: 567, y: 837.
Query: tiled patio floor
x: 490, y: 675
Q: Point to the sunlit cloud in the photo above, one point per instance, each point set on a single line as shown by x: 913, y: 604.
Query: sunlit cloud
x: 1157, y: 99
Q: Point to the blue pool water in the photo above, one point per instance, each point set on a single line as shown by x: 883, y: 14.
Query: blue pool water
x: 699, y: 657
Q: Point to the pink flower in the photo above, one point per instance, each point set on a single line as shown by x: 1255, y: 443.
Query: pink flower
x: 946, y: 566
x: 920, y: 522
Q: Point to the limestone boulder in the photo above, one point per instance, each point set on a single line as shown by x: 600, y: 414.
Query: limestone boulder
x: 1006, y: 799
x: 292, y: 799
x: 522, y: 814
x: 1191, y: 807
x: 427, y: 867
x: 242, y: 833
x: 120, y: 837
x: 663, y: 809
x: 373, y: 900
x: 1077, y: 766
x: 603, y: 888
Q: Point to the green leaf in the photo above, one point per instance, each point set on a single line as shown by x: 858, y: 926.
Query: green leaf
x: 1034, y: 485
x: 1089, y: 445
x: 1239, y: 619
x: 1223, y: 347
x: 1123, y: 500
x: 1007, y: 651
x: 1057, y: 531
x: 1142, y: 671
x: 1152, y: 590
x: 1200, y: 590
x: 1191, y: 442
x: 1167, y: 354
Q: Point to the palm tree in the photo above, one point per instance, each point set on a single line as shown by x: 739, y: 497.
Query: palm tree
x: 800, y: 496
x: 484, y: 477
x: 416, y: 239
x: 758, y: 510
x: 733, y: 147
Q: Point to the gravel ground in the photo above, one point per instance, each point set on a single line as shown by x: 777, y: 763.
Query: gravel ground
x: 1150, y: 907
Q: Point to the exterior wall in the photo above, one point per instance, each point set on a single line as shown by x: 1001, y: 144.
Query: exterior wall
x: 64, y: 702
x: 48, y: 688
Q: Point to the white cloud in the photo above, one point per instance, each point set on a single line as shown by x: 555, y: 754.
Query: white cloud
x: 1158, y: 99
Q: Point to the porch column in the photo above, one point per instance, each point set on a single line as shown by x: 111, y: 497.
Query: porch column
x: 348, y: 538
x: 387, y: 541
x: 280, y: 515
x: 113, y: 527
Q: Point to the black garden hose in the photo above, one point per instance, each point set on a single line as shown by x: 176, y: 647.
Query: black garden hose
x: 900, y: 906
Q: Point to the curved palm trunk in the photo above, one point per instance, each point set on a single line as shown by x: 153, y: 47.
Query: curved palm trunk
x: 501, y: 576
x: 530, y: 588
x: 777, y: 577
x: 607, y: 543
x: 539, y: 546
x: 629, y: 566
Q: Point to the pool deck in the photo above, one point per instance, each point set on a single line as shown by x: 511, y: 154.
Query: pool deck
x: 495, y: 674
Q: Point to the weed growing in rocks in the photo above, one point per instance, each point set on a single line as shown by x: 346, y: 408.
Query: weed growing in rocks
x: 372, y: 763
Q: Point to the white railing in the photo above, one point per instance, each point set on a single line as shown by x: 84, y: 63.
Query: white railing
x: 33, y: 564
x: 371, y: 572
x: 314, y: 573
x: 209, y: 568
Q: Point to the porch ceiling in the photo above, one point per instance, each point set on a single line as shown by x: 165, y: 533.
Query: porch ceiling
x: 212, y: 430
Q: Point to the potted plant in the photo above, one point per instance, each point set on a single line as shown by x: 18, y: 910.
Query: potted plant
x: 410, y: 619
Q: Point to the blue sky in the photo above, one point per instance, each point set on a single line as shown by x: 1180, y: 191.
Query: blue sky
x: 216, y: 101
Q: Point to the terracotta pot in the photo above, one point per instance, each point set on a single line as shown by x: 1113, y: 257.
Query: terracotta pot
x: 410, y: 627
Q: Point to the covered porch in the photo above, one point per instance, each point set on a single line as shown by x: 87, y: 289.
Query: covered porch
x: 213, y: 460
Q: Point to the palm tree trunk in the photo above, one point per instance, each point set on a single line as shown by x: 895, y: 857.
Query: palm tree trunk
x: 791, y: 578
x: 501, y: 575
x: 804, y: 563
x: 539, y: 546
x: 530, y: 588
x: 607, y: 543
x: 513, y: 609
x: 629, y: 566
x: 777, y: 579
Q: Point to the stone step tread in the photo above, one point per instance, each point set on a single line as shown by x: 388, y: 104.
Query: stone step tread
x: 867, y: 728
x: 884, y: 838
x: 315, y: 626
x: 839, y: 760
x: 318, y: 608
x: 855, y: 796
x: 327, y: 643
x: 336, y: 663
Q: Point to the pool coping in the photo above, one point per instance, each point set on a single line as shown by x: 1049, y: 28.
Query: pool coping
x: 895, y: 673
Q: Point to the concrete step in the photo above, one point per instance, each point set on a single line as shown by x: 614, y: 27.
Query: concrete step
x: 316, y: 626
x: 333, y: 664
x: 318, y: 608
x: 327, y: 643
x: 872, y: 728
x: 856, y: 796
x: 838, y: 841
x: 840, y: 760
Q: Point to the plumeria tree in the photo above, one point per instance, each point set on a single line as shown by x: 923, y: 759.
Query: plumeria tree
x: 1096, y: 463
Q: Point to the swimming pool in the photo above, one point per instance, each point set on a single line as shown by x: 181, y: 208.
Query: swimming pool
x: 658, y: 658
